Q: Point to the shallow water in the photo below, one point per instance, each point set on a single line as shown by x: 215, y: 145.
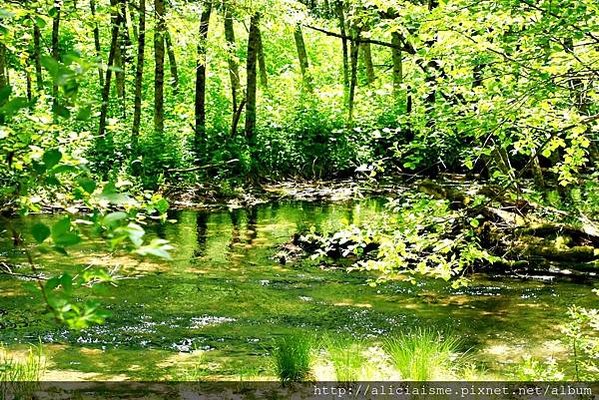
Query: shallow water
x: 224, y: 295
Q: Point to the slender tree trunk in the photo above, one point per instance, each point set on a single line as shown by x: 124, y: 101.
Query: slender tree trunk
x: 355, y: 46
x: 341, y: 17
x: 172, y: 61
x: 368, y: 65
x: 233, y: 65
x: 252, y: 54
x: 98, y: 48
x: 104, y: 141
x: 29, y: 85
x: 302, y: 56
x: 139, y: 74
x: 262, y: 61
x: 121, y: 56
x: 3, y: 69
x: 159, y: 67
x: 397, y: 66
x: 200, y: 95
x: 131, y: 16
x: 55, y: 49
x: 3, y: 75
x: 37, y: 50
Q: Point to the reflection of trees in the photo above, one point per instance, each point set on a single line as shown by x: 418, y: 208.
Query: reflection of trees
x: 234, y: 214
x: 201, y: 233
x: 252, y: 225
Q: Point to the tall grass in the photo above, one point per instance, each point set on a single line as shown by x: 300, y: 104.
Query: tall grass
x: 347, y: 357
x: 20, y: 369
x: 423, y: 354
x: 20, y: 375
x: 293, y: 357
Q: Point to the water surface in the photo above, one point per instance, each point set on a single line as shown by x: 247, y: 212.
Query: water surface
x: 226, y: 296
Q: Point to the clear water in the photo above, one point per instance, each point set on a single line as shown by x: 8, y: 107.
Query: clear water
x: 225, y: 293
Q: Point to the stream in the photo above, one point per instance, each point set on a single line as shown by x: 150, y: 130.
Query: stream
x: 216, y: 307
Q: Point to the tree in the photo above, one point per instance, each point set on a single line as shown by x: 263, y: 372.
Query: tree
x: 97, y: 46
x: 139, y: 72
x: 302, y: 56
x: 200, y: 89
x: 237, y: 103
x: 159, y: 28
x: 104, y: 146
x: 252, y: 54
x: 172, y: 61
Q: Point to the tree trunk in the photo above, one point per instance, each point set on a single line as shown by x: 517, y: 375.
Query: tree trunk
x: 252, y: 54
x: 341, y: 18
x: 104, y: 141
x: 233, y: 65
x: 37, y: 50
x: 55, y: 49
x: 172, y: 61
x: 159, y: 67
x: 92, y: 7
x: 355, y: 46
x: 397, y: 66
x: 121, y: 56
x: 262, y: 61
x: 3, y: 75
x: 200, y: 95
x: 302, y: 56
x: 139, y: 73
x: 368, y: 65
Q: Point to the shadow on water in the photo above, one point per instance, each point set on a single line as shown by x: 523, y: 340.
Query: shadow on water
x: 225, y: 295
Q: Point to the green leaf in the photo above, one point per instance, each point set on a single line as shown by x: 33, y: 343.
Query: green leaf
x: 66, y: 281
x: 87, y: 184
x: 474, y: 223
x: 40, y: 232
x: 67, y: 239
x: 61, y: 110
x: 161, y: 206
x: 40, y: 22
x: 51, y: 158
x: 14, y: 105
x: 84, y: 113
x: 5, y: 93
x: 113, y: 218
x: 61, y: 227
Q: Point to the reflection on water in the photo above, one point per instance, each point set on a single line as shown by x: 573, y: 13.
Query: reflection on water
x: 224, y: 294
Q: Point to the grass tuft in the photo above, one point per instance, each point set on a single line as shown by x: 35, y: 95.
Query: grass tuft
x: 347, y: 357
x: 293, y: 358
x: 423, y: 354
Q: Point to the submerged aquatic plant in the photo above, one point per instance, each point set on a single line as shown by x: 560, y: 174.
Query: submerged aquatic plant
x: 293, y: 357
x: 423, y: 354
x: 347, y: 357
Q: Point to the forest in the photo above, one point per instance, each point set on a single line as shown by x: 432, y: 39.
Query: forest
x: 298, y: 190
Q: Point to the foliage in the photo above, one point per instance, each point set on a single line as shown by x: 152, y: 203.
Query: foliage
x: 293, y: 357
x: 532, y: 369
x: 582, y: 335
x: 423, y: 354
x: 415, y: 236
